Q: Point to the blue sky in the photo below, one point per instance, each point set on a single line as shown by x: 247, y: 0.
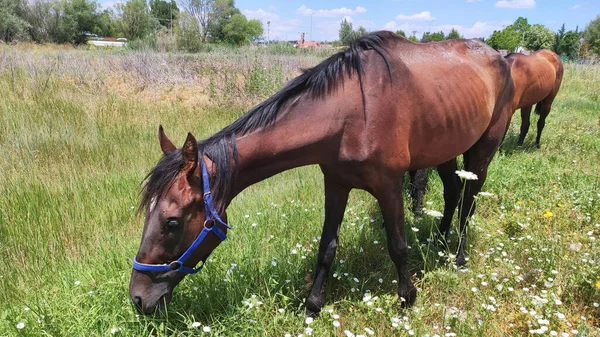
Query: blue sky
x: 472, y: 18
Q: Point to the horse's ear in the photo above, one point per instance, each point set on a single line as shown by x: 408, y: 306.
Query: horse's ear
x: 190, y: 152
x: 165, y: 144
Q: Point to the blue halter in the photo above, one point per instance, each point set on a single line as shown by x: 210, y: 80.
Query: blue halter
x: 211, y: 215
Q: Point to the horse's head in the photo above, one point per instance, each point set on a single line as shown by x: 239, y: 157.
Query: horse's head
x: 181, y: 227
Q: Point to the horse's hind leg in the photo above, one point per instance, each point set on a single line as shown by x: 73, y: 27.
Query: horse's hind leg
x: 417, y: 187
x: 543, y: 108
x: 447, y: 172
x: 525, y: 115
x: 389, y: 196
x: 336, y: 197
x: 477, y: 159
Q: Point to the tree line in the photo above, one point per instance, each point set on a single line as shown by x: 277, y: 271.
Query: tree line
x: 191, y: 22
x: 518, y: 34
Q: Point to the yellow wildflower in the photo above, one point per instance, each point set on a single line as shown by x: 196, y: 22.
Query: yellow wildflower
x: 598, y: 282
x: 548, y: 214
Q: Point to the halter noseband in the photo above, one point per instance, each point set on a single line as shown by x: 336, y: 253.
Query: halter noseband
x: 211, y: 216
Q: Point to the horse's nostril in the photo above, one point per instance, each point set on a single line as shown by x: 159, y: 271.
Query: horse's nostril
x: 138, y: 302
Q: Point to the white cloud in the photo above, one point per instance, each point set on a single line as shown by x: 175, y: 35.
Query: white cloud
x: 368, y: 24
x: 423, y: 16
x: 392, y: 26
x: 260, y: 14
x: 331, y: 12
x: 278, y: 29
x: 516, y: 4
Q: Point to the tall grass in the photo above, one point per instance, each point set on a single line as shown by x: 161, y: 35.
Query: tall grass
x: 78, y: 134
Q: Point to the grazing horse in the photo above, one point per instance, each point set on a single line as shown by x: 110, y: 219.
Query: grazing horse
x: 366, y: 115
x: 537, y: 78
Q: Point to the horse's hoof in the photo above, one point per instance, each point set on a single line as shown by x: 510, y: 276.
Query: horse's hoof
x: 408, y: 297
x: 461, y: 261
x: 312, y: 308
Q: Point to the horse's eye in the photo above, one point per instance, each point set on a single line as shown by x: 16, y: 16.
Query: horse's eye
x: 171, y: 223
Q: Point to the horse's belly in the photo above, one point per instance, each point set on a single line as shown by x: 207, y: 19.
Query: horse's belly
x: 448, y: 129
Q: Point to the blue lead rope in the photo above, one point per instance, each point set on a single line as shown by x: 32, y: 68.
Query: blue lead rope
x: 211, y: 215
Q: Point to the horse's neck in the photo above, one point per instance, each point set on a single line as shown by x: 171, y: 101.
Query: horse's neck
x: 301, y: 136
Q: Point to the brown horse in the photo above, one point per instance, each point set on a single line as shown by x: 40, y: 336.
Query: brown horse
x: 365, y: 115
x: 537, y: 78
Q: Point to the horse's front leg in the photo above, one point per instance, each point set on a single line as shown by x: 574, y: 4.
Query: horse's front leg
x: 336, y: 197
x: 389, y: 196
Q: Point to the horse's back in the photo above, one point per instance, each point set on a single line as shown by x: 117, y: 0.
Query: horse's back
x: 445, y: 97
x: 536, y: 76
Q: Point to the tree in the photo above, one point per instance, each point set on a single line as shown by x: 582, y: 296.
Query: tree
x: 591, y: 35
x: 436, y: 36
x: 12, y: 26
x: 360, y: 32
x: 346, y: 32
x: 507, y: 38
x: 521, y: 25
x: 39, y: 15
x: 241, y: 31
x: 511, y: 36
x: 401, y: 32
x: 135, y: 20
x: 413, y: 38
x: 104, y: 23
x: 82, y: 15
x: 560, y: 34
x: 570, y: 44
x: 212, y: 16
x: 454, y: 34
x: 539, y: 37
x: 165, y: 12
x: 188, y: 34
x: 224, y: 10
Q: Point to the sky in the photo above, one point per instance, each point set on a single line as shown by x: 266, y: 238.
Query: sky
x: 472, y: 18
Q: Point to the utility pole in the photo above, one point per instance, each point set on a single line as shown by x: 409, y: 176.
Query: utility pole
x: 311, y: 14
x: 268, y: 32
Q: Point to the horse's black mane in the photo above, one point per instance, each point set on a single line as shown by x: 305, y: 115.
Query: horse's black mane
x: 317, y: 82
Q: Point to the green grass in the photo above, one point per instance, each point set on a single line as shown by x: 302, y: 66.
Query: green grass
x: 74, y: 151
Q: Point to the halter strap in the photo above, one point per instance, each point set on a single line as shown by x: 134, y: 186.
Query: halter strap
x: 211, y: 216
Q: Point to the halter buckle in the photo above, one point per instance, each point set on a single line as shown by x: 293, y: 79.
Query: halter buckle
x: 211, y: 221
x: 175, y: 265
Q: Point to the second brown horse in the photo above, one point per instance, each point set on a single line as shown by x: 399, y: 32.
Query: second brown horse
x: 537, y: 78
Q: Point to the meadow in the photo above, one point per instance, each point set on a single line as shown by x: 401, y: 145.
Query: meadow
x: 78, y: 135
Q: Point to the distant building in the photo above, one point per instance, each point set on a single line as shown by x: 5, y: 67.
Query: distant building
x: 107, y: 41
x: 522, y: 50
x: 306, y: 44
